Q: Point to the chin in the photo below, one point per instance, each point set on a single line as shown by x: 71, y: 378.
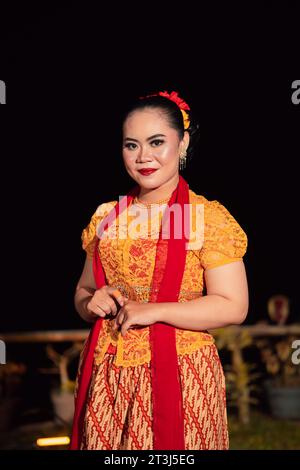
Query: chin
x: 145, y: 181
x: 148, y: 185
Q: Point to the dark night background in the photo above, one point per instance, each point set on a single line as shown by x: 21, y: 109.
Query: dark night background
x: 69, y: 71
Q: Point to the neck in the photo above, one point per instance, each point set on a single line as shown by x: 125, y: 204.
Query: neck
x: 162, y: 192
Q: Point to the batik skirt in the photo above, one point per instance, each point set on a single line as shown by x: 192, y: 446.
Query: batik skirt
x: 119, y: 408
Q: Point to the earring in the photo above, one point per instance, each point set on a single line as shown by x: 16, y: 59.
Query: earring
x: 182, y: 161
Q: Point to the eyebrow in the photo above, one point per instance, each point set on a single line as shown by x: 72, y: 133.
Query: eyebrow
x: 149, y: 138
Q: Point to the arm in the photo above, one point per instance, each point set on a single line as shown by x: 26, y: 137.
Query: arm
x: 85, y: 290
x: 226, y: 302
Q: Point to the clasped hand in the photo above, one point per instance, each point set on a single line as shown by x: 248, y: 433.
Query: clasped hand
x: 135, y: 314
x: 131, y: 314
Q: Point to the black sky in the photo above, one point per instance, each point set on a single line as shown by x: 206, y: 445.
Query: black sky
x: 70, y: 70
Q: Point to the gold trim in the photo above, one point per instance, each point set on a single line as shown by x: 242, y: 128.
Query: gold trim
x: 138, y: 202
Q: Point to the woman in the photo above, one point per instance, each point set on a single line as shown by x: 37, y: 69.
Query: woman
x: 150, y: 376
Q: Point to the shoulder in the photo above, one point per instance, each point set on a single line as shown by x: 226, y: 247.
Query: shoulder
x: 104, y: 208
x: 197, y: 198
x: 89, y: 233
x: 224, y: 239
x: 101, y: 211
x: 219, y: 222
x: 201, y: 199
x: 213, y: 209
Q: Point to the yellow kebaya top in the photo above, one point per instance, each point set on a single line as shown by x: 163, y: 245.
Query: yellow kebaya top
x: 128, y: 263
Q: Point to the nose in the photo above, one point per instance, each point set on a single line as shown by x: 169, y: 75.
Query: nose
x: 144, y: 155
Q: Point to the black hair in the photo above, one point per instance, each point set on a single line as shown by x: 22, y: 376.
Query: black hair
x: 173, y: 115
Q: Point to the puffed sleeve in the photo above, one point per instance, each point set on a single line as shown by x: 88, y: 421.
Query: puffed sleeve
x: 224, y: 239
x: 89, y: 233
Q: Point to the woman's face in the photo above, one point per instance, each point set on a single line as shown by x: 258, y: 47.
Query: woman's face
x: 150, y: 142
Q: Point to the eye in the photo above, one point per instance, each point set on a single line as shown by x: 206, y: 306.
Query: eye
x: 157, y: 142
x: 130, y: 146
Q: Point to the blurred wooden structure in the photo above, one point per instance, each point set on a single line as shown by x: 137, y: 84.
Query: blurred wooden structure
x: 234, y: 341
x: 58, y: 336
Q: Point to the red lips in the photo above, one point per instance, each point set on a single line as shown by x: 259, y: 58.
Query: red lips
x: 147, y: 171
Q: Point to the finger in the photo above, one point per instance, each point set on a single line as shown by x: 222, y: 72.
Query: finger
x: 116, y: 294
x: 102, y: 307
x: 90, y: 309
x: 125, y: 326
x: 104, y: 296
x: 95, y: 309
x: 98, y: 311
x: 118, y: 320
x: 121, y: 318
x: 112, y: 304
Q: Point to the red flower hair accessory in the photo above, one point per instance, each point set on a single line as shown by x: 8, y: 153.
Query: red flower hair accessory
x: 173, y: 96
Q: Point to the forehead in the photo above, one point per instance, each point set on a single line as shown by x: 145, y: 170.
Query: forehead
x: 147, y: 122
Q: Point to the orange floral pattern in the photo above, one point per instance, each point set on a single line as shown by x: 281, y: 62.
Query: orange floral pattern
x: 129, y: 263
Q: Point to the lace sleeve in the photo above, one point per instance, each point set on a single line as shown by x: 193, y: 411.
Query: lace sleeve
x: 224, y: 239
x: 89, y: 233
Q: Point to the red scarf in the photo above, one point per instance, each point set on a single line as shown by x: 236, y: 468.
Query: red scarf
x: 168, y: 425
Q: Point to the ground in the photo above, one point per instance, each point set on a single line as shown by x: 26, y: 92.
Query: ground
x: 263, y: 433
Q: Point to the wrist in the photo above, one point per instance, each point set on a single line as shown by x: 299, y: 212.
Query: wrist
x: 160, y: 313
